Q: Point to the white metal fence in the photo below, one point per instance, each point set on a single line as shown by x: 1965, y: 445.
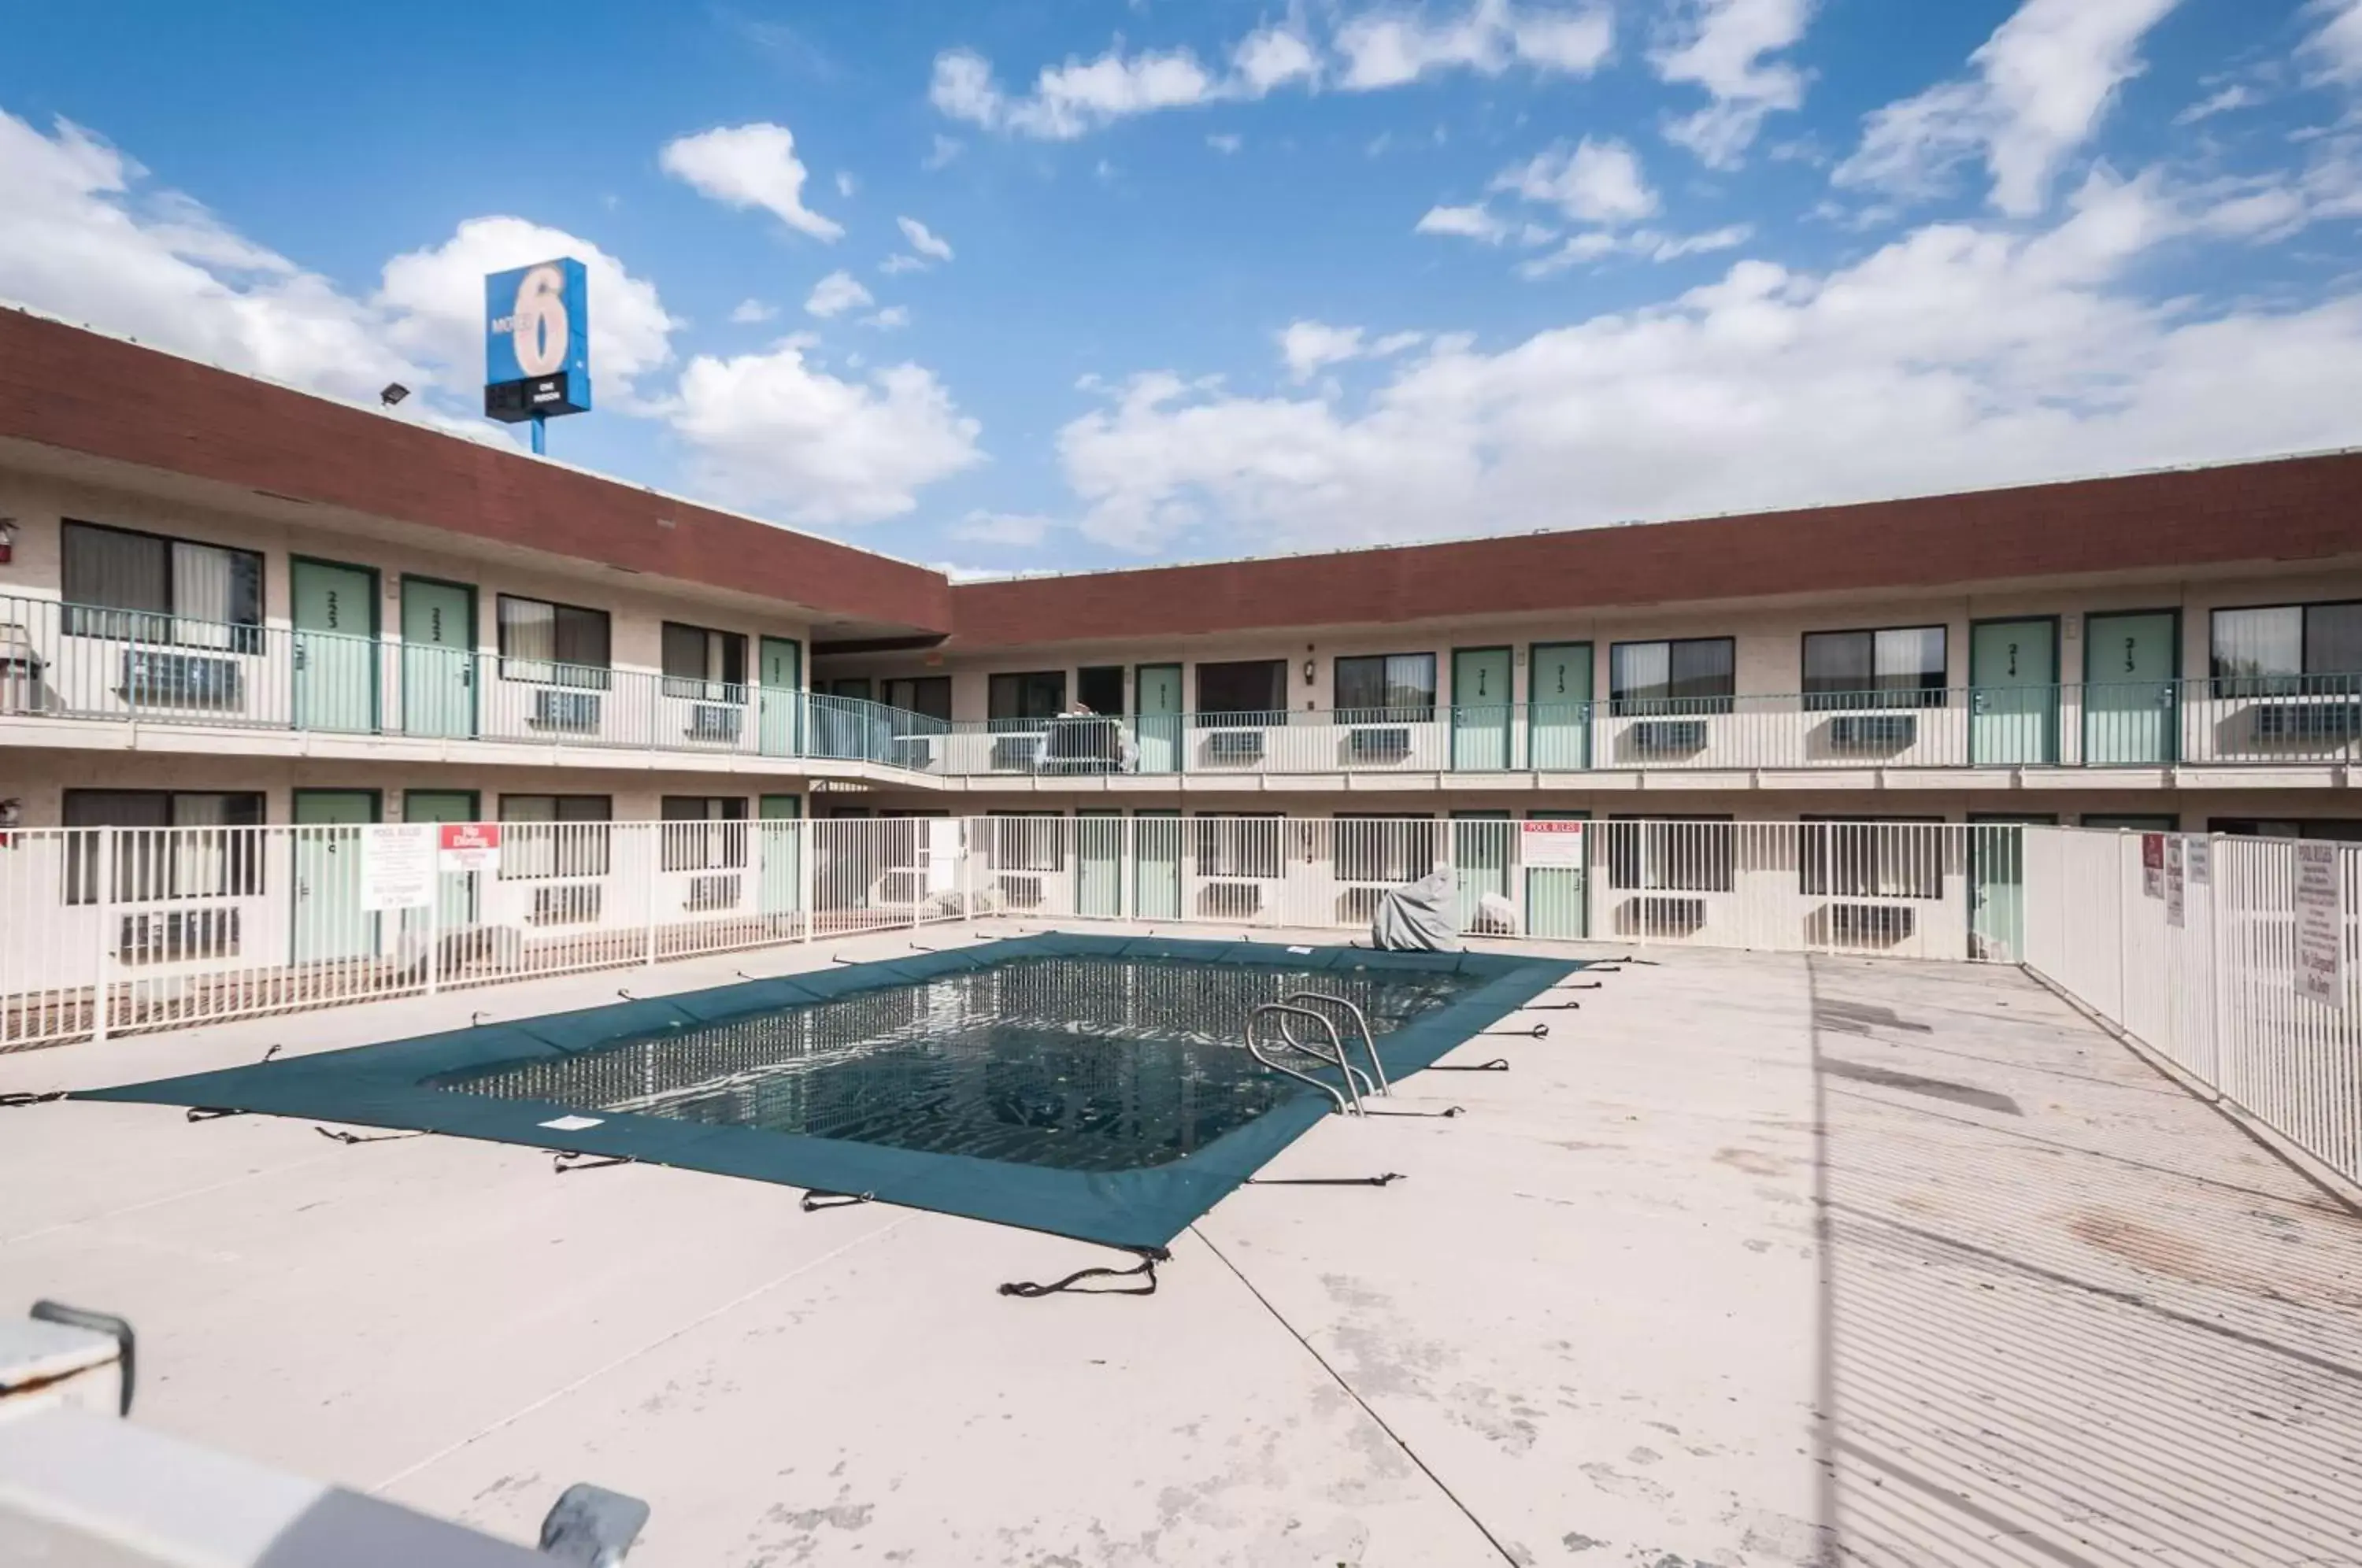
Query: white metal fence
x: 108, y: 930
x: 2194, y: 945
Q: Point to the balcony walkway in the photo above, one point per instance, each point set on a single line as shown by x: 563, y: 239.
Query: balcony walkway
x: 1756, y: 1260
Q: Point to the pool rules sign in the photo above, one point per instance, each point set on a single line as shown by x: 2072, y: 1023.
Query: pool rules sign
x: 2320, y: 924
x: 1544, y: 846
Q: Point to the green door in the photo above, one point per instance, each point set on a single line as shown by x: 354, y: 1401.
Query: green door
x: 335, y: 646
x: 2130, y: 713
x: 1480, y: 860
x: 1159, y: 701
x: 1997, y: 886
x: 780, y: 839
x: 1480, y: 709
x: 456, y: 891
x: 1556, y: 904
x: 1156, y: 866
x: 438, y: 659
x: 1559, y: 706
x: 2013, y: 704
x: 780, y: 679
x: 1099, y: 864
x: 329, y: 921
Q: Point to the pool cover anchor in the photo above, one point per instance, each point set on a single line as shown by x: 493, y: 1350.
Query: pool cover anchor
x: 1532, y: 1032
x: 560, y: 1161
x: 9, y: 1101
x: 1498, y: 1065
x: 350, y: 1138
x: 212, y: 1113
x: 1387, y: 1180
x: 1027, y: 1290
x: 819, y: 1198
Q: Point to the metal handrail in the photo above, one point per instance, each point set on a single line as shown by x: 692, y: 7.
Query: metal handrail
x: 1369, y: 1038
x: 1350, y: 1101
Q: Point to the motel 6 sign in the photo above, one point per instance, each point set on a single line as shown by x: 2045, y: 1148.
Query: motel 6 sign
x: 537, y: 341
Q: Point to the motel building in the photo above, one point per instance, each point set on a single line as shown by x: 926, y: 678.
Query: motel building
x: 239, y: 621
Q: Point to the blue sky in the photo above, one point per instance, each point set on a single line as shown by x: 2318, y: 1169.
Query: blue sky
x: 1046, y: 285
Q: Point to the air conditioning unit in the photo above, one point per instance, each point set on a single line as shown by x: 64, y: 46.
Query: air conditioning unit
x: 1870, y: 924
x: 2335, y: 722
x: 1666, y: 737
x: 1233, y: 746
x: 718, y: 892
x: 1015, y: 754
x: 1020, y: 893
x: 180, y: 679
x: 714, y: 721
x: 1662, y: 914
x: 1873, y: 732
x: 1370, y: 746
x: 170, y: 936
x: 1230, y: 900
x: 569, y: 713
x: 567, y: 904
x: 914, y: 752
x: 1359, y: 906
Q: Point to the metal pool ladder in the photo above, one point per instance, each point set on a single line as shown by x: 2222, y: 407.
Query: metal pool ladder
x: 1361, y: 1021
x: 1348, y: 1100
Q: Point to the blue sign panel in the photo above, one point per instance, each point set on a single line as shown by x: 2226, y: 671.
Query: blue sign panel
x: 537, y: 341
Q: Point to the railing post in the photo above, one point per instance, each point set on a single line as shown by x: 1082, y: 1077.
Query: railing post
x: 807, y: 828
x: 435, y: 918
x: 104, y: 901
x: 967, y: 868
x: 653, y: 839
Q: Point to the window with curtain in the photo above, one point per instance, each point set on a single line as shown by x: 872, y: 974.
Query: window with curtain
x: 554, y: 836
x: 1897, y: 857
x: 703, y: 664
x: 928, y: 695
x: 558, y: 645
x: 1392, y: 850
x: 149, y: 589
x: 1258, y: 687
x: 1694, y: 854
x: 1385, y: 687
x: 1013, y: 700
x: 2288, y: 649
x: 210, y: 855
x: 704, y: 832
x: 1240, y: 846
x: 1686, y: 675
x: 1900, y: 667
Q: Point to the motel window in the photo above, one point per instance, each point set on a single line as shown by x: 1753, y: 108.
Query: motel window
x: 1686, y: 675
x: 704, y: 833
x: 2288, y: 649
x: 148, y: 588
x: 1012, y: 699
x: 554, y: 836
x: 2340, y: 829
x: 929, y: 696
x: 206, y: 855
x: 1385, y: 687
x: 1019, y: 840
x: 1389, y: 850
x: 1898, y: 666
x: 1256, y: 687
x: 1100, y: 688
x: 706, y: 664
x: 563, y: 645
x: 1897, y: 857
x: 1245, y: 847
x: 1692, y: 855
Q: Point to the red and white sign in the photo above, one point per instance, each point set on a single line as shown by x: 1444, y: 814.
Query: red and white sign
x: 2153, y: 865
x: 2320, y: 924
x: 1550, y: 846
x: 472, y: 846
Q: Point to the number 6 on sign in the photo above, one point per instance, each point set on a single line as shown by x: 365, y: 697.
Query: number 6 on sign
x: 538, y: 325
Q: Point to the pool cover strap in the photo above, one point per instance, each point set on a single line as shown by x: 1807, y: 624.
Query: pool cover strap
x: 1025, y: 1290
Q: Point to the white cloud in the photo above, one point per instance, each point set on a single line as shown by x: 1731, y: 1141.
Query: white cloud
x: 923, y: 241
x: 1960, y: 356
x: 2043, y: 82
x: 748, y: 166
x: 1468, y: 223
x: 887, y: 320
x: 1070, y: 99
x: 1594, y: 182
x: 1646, y: 244
x: 1011, y: 530
x: 1721, y: 45
x: 946, y: 147
x: 1226, y: 141
x: 1271, y: 58
x: 433, y: 300
x: 1307, y: 346
x: 2238, y: 95
x: 2335, y: 47
x: 774, y: 430
x: 1392, y: 45
x: 846, y: 184
x: 752, y: 312
x: 836, y: 294
x: 894, y: 266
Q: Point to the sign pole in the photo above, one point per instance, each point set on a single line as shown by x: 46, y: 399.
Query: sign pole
x: 540, y: 439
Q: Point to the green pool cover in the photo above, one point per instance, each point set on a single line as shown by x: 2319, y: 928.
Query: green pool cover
x: 1090, y: 1087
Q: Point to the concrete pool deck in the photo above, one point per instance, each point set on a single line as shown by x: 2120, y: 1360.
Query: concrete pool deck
x: 1755, y: 1260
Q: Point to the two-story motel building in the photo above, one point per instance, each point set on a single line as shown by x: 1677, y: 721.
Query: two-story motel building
x: 225, y: 602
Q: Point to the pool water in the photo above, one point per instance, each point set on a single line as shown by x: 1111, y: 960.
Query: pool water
x: 1084, y: 1063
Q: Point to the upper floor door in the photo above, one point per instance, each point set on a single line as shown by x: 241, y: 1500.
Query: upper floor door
x: 438, y: 658
x: 1559, y: 705
x: 2130, y: 713
x: 1157, y: 695
x: 779, y: 677
x: 1480, y: 709
x: 336, y: 645
x: 2013, y: 699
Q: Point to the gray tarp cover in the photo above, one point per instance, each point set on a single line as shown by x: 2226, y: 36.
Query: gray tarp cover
x: 1419, y: 917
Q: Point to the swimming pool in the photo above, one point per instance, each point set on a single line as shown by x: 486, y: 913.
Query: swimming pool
x: 1092, y: 1086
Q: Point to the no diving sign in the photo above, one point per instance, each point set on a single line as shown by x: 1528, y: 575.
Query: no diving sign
x: 472, y: 846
